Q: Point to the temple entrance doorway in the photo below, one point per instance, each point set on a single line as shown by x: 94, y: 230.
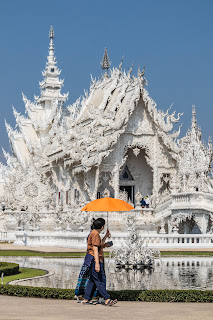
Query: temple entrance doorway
x: 130, y: 192
x: 136, y: 175
x: 189, y: 226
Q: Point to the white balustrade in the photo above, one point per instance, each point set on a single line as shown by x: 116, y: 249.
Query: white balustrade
x: 78, y: 239
x: 6, y: 236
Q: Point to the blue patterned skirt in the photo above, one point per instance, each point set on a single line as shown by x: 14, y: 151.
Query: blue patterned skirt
x: 84, y: 276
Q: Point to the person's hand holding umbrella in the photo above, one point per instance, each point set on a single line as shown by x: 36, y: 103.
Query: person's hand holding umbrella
x: 107, y: 235
x: 107, y: 205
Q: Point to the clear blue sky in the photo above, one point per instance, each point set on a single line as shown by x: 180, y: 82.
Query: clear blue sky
x: 174, y: 38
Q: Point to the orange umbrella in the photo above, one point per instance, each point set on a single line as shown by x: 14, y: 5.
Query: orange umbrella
x: 107, y: 204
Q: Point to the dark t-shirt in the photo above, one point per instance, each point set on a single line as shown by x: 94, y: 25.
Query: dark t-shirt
x: 94, y: 239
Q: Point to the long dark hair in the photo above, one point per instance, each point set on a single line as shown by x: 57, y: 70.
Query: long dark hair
x: 97, y: 224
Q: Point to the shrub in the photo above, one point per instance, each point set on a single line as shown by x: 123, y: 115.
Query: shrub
x: 9, y: 268
x: 121, y: 295
x: 37, y: 292
x: 163, y: 295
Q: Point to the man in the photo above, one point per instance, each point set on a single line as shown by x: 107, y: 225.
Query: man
x: 147, y: 200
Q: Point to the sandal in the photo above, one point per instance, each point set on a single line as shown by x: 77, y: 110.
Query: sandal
x: 111, y: 302
x: 87, y: 302
x: 93, y: 303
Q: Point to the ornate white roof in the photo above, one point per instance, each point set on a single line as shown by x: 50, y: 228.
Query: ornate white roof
x: 95, y: 122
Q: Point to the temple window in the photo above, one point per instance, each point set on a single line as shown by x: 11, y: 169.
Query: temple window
x: 126, y: 175
x: 76, y: 194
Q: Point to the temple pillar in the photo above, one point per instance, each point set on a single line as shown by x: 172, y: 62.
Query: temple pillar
x: 71, y: 189
x: 155, y: 167
x: 116, y: 181
x: 205, y: 221
x: 66, y: 189
x: 72, y: 196
x: 202, y: 222
x: 184, y: 183
x: 58, y: 195
x: 96, y: 184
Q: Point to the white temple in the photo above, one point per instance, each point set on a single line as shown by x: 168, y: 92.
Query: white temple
x: 112, y: 141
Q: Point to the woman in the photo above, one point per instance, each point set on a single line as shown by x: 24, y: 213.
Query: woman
x: 97, y: 278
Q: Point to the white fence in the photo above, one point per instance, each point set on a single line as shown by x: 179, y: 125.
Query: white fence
x: 6, y: 237
x: 77, y: 240
x: 178, y: 240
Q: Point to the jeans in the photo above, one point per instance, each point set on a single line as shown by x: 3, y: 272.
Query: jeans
x: 96, y: 280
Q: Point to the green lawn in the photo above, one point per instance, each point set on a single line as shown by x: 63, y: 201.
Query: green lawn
x: 26, y: 253
x: 24, y: 273
x: 186, y: 253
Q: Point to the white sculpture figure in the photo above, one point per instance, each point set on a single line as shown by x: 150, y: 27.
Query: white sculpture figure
x: 134, y: 253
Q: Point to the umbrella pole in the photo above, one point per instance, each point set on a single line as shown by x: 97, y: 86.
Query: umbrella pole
x: 108, y: 224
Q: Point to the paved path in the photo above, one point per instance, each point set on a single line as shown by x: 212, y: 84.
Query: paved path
x: 15, y: 308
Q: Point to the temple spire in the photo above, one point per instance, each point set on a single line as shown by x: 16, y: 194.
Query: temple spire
x: 194, y: 120
x: 105, y: 63
x: 51, y: 58
x: 51, y: 33
x: 51, y: 47
x: 51, y: 85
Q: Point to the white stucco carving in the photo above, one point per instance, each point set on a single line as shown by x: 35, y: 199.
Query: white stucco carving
x: 112, y: 140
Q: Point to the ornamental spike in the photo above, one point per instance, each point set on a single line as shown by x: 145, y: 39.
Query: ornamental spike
x: 141, y: 73
x: 51, y: 36
x: 51, y: 33
x: 105, y: 63
x: 194, y: 120
x: 120, y: 65
x: 130, y: 70
x: 210, y: 143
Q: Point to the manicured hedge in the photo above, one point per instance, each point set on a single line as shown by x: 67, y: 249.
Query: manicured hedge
x: 9, y: 268
x: 37, y: 292
x: 163, y: 295
x: 122, y: 295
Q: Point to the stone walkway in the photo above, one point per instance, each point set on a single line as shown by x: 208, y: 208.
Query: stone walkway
x: 15, y: 308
